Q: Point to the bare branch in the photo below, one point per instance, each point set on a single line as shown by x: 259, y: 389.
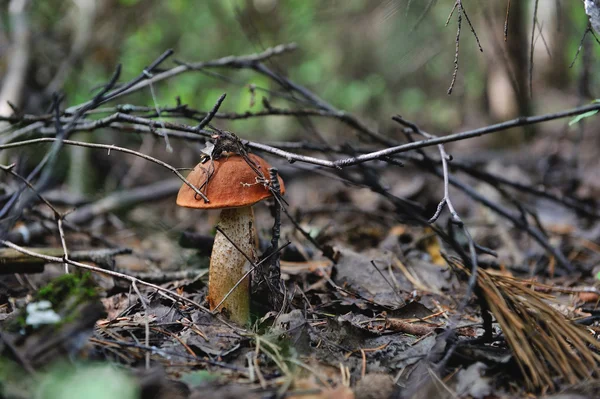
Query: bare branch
x: 53, y: 259
x: 230, y: 61
x: 109, y: 148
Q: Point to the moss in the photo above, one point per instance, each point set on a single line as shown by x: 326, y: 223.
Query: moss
x: 65, y: 293
x: 76, y: 288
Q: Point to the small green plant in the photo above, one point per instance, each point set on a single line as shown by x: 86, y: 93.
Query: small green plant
x: 86, y: 381
x: 585, y: 115
x: 58, y: 299
x: 68, y: 287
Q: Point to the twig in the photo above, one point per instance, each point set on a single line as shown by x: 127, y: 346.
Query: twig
x: 455, y: 219
x: 63, y: 242
x: 506, y: 21
x: 209, y: 116
x: 465, y: 135
x: 533, y: 232
x: 168, y: 354
x: 531, y: 47
x: 461, y: 11
x: 146, y: 321
x: 108, y: 147
x: 341, y: 163
x: 230, y: 61
x: 394, y: 289
x: 110, y: 203
x: 588, y: 29
x: 58, y: 216
x: 173, y: 296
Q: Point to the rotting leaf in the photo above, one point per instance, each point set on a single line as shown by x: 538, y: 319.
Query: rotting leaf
x: 207, y: 336
x: 363, y: 322
x: 414, y: 353
x: 411, y: 310
x: 198, y: 378
x: 293, y: 328
x: 356, y: 272
x: 215, y: 341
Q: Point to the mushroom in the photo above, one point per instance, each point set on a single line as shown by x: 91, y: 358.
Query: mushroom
x: 234, y: 187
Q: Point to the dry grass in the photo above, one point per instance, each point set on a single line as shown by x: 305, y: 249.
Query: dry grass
x: 545, y: 344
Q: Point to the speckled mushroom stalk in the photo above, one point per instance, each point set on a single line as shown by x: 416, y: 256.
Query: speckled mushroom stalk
x: 228, y: 265
x: 232, y: 187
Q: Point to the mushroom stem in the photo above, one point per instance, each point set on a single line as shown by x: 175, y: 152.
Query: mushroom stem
x: 228, y: 265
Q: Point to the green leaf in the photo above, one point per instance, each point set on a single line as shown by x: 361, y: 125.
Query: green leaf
x: 197, y: 378
x: 578, y: 118
x: 87, y: 381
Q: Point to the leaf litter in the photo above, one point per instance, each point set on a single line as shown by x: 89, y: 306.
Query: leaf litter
x: 375, y: 308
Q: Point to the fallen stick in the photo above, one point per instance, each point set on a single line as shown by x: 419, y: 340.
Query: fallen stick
x: 13, y: 261
x: 111, y: 203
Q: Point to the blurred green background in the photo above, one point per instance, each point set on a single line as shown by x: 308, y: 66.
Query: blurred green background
x: 372, y: 58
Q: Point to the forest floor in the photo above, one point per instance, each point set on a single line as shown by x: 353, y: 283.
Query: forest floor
x: 375, y: 305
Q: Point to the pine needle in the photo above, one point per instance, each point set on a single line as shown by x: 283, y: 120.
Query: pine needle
x: 545, y: 344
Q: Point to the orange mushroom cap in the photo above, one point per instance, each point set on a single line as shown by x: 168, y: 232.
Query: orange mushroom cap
x: 233, y: 184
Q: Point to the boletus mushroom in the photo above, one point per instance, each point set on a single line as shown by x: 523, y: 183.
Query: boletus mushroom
x: 232, y: 186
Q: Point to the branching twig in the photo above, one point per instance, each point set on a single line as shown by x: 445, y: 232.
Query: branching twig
x: 109, y: 148
x: 230, y: 61
x: 461, y: 11
x: 455, y: 219
x: 345, y: 162
x: 465, y: 135
x: 110, y: 203
x: 53, y: 259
